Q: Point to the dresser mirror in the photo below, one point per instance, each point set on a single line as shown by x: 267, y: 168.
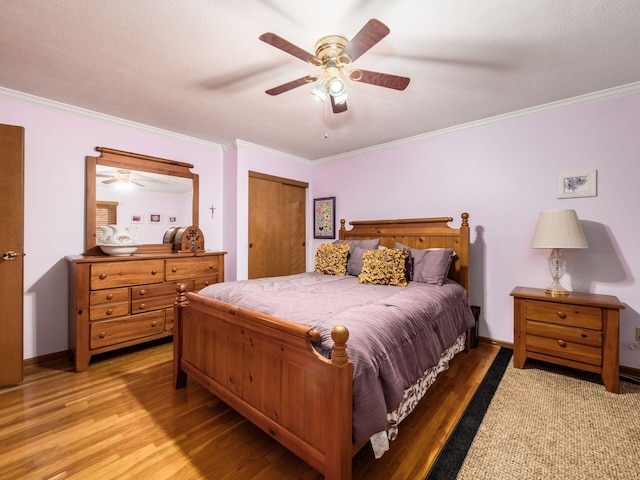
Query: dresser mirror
x: 148, y: 195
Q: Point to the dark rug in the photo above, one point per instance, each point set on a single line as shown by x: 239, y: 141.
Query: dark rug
x: 455, y: 450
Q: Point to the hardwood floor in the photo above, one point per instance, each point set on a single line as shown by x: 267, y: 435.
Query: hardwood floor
x: 122, y: 419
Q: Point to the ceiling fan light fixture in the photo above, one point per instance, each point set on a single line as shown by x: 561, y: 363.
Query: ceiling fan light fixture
x: 319, y: 92
x: 337, y: 86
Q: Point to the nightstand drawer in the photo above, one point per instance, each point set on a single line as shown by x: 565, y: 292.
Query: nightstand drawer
x: 560, y: 332
x: 564, y: 314
x: 565, y: 349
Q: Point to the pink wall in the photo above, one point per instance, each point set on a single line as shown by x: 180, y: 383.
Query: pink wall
x: 56, y: 143
x: 504, y: 174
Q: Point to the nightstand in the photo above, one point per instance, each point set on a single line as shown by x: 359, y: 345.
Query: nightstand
x: 579, y: 330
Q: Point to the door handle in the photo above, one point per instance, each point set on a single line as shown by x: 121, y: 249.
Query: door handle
x: 10, y: 255
x: 251, y: 245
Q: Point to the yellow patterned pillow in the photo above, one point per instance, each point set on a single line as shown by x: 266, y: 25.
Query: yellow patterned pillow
x: 331, y: 258
x: 384, y: 267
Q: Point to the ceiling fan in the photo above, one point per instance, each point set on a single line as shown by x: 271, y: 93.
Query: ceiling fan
x: 332, y: 54
x: 121, y: 177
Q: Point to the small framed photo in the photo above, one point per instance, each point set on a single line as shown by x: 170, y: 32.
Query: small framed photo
x: 155, y: 218
x: 324, y: 217
x: 577, y: 184
x: 137, y: 218
x: 173, y: 219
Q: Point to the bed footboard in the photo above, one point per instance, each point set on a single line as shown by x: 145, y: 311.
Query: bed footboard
x: 267, y: 369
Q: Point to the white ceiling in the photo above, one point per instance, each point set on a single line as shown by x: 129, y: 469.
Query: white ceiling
x: 196, y: 67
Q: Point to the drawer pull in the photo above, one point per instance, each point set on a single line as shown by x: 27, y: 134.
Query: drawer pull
x: 174, y: 269
x: 103, y: 276
x: 102, y: 334
x: 110, y: 296
x: 210, y: 267
x: 154, y: 271
x: 154, y: 323
x: 142, y: 292
x: 142, y: 306
x: 562, y: 343
x: 109, y: 311
x: 562, y: 315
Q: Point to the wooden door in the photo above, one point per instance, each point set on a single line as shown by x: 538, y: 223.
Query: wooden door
x: 11, y: 246
x: 277, y: 232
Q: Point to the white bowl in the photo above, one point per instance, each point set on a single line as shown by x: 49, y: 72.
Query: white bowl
x: 119, y: 249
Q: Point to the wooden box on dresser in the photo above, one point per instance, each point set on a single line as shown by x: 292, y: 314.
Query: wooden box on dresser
x: 579, y: 330
x: 115, y: 302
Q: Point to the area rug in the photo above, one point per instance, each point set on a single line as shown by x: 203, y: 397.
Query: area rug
x: 547, y: 422
x: 455, y: 450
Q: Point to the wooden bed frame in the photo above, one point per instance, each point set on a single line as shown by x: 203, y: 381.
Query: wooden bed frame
x: 267, y: 369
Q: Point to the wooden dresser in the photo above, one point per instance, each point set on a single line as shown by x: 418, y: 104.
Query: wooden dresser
x: 579, y: 330
x: 116, y: 302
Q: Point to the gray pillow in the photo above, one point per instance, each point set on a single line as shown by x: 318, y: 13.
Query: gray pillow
x: 366, y: 244
x: 354, y: 263
x: 430, y: 265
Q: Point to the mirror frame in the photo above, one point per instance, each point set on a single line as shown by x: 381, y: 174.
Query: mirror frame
x: 133, y: 161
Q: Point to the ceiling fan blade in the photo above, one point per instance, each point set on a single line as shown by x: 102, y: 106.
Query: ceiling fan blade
x: 288, y: 47
x: 380, y: 79
x: 373, y: 31
x: 285, y: 87
x: 338, y: 107
x: 111, y: 180
x: 136, y: 183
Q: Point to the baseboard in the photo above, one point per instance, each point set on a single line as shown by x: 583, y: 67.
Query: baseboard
x: 498, y: 343
x: 630, y: 372
x: 46, y: 359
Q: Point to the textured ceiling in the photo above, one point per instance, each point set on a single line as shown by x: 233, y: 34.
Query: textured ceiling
x: 196, y: 67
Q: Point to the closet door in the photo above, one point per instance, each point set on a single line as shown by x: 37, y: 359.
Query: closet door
x: 277, y: 233
x: 11, y: 247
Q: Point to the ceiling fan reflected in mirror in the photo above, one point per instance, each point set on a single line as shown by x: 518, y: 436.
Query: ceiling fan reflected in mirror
x: 332, y: 54
x: 123, y: 177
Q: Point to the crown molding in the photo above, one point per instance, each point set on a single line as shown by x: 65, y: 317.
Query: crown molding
x: 54, y: 105
x: 602, y: 95
x: 242, y: 143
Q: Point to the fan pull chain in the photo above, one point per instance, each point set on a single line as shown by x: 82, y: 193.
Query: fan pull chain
x: 326, y: 109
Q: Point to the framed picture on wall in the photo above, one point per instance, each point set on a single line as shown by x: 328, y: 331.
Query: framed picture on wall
x: 137, y: 218
x: 324, y: 217
x: 577, y: 184
x: 172, y: 219
x: 155, y: 218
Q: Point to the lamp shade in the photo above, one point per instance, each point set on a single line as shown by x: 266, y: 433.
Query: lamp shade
x: 559, y: 229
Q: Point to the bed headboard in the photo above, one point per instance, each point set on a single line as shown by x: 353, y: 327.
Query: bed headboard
x: 418, y: 233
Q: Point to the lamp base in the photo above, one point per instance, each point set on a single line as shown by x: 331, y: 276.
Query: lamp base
x: 557, y: 267
x: 554, y: 291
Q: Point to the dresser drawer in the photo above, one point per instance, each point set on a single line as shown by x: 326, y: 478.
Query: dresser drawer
x: 121, y: 274
x: 573, y: 351
x: 121, y: 330
x: 114, y: 295
x: 163, y: 289
x: 191, y: 267
x: 168, y: 319
x: 564, y: 314
x: 200, y: 283
x: 110, y: 310
x: 560, y: 332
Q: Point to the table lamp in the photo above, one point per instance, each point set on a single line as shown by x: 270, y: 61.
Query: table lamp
x: 558, y: 229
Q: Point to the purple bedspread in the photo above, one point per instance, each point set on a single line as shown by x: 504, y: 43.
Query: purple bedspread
x: 395, y: 333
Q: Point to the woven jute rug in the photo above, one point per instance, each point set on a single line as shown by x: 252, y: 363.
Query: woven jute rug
x: 546, y: 422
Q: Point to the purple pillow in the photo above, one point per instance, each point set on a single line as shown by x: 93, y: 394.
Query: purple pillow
x: 430, y: 265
